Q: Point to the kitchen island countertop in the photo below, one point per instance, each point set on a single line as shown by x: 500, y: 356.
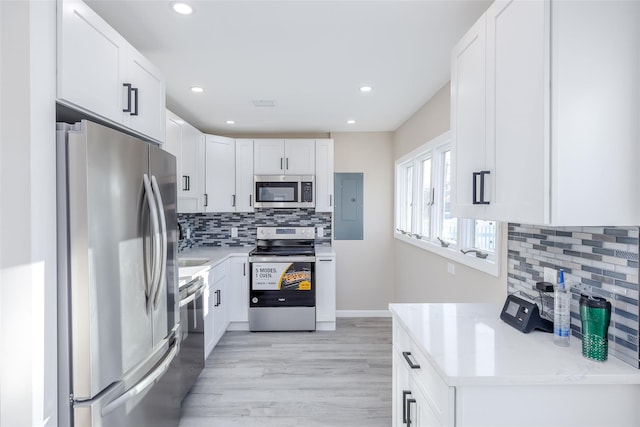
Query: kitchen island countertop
x: 468, y: 344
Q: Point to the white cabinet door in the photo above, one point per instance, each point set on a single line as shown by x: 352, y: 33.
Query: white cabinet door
x: 326, y: 288
x: 90, y: 58
x: 99, y: 72
x: 220, y: 286
x: 148, y: 109
x: 300, y: 156
x: 284, y: 157
x: 173, y: 141
x: 419, y: 411
x: 219, y: 174
x: 269, y: 157
x: 238, y: 300
x: 518, y: 111
x: 400, y: 389
x: 209, y: 319
x: 191, y: 178
x: 324, y: 175
x: 468, y: 120
x: 244, y: 175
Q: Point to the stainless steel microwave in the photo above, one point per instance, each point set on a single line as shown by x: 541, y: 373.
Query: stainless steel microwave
x: 284, y: 191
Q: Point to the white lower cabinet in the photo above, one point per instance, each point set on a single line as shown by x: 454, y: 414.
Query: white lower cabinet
x: 238, y: 291
x: 412, y: 404
x: 326, y: 292
x: 216, y: 320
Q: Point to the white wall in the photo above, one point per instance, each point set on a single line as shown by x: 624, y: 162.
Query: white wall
x: 421, y: 276
x: 364, y: 268
x: 28, y: 376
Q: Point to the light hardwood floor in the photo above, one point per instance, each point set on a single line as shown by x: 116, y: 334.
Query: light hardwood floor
x: 312, y: 379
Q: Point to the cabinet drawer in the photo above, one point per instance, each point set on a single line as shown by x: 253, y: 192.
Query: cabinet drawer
x: 436, y: 391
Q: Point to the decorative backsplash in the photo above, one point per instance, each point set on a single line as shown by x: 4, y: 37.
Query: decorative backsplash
x: 214, y: 229
x: 600, y: 261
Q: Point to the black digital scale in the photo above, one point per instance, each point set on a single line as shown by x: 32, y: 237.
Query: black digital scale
x: 524, y: 315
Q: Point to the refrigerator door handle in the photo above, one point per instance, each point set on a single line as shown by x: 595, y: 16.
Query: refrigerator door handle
x: 146, y: 382
x: 163, y: 243
x: 155, y: 262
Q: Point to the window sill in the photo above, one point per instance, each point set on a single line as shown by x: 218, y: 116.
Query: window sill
x: 488, y: 266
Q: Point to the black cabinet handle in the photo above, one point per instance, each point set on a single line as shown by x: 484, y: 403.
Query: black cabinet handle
x: 409, y: 402
x: 128, y: 87
x: 186, y: 183
x: 405, y: 393
x: 412, y: 365
x: 135, y: 102
x: 244, y: 269
x: 281, y: 160
x: 206, y: 200
x: 250, y: 200
x: 233, y: 200
x: 481, y: 200
x: 330, y: 199
x: 217, y: 298
x: 287, y: 163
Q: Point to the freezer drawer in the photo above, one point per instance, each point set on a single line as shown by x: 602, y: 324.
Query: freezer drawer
x: 152, y: 401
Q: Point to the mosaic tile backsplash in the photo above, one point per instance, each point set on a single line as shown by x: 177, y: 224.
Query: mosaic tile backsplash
x: 214, y: 229
x: 600, y: 261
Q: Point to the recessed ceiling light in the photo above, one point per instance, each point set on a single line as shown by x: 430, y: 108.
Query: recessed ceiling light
x: 182, y: 8
x: 197, y: 89
x: 230, y: 122
x: 351, y: 122
x: 365, y: 89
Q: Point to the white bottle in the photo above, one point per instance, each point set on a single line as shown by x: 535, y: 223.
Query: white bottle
x: 561, y: 313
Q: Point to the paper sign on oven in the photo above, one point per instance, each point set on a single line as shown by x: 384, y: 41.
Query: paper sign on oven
x: 282, y: 276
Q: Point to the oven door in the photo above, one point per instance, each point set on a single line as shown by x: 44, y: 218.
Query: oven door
x: 282, y: 281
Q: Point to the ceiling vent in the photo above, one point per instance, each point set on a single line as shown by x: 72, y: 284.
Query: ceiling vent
x: 264, y: 103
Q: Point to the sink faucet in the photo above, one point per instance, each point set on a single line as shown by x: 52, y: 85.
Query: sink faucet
x: 479, y: 254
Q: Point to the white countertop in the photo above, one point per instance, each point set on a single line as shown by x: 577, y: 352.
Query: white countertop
x: 468, y: 344
x: 215, y: 255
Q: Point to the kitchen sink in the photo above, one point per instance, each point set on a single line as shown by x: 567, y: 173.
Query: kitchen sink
x: 192, y: 262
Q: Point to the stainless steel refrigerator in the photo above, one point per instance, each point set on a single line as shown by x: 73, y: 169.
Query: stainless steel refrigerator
x: 117, y: 285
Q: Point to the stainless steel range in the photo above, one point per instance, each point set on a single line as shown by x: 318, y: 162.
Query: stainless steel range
x: 282, y: 294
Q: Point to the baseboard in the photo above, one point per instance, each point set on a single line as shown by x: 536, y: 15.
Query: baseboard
x: 363, y: 313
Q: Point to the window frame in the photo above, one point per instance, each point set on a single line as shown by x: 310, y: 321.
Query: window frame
x: 435, y: 150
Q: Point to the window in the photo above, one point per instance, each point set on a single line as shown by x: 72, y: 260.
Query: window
x: 423, y: 209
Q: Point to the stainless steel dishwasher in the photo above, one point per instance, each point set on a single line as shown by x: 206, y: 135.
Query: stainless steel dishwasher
x: 191, y: 357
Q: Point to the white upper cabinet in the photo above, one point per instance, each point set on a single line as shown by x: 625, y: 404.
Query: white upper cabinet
x: 229, y: 174
x: 468, y: 123
x: 324, y: 175
x: 559, y: 123
x: 220, y: 174
x: 99, y: 72
x: 191, y: 177
x: 187, y: 144
x: 244, y: 175
x: 148, y: 97
x: 284, y: 157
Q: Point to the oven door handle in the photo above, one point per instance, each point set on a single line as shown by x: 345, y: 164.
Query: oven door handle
x: 282, y: 259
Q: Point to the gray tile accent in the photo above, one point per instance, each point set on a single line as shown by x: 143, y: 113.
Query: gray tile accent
x: 600, y: 261
x: 214, y: 229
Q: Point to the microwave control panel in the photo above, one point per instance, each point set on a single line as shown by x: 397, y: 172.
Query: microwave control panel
x: 307, y: 191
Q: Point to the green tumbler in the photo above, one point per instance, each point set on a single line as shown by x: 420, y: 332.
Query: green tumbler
x: 595, y: 313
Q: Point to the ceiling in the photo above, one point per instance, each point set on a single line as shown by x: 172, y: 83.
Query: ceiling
x: 309, y: 57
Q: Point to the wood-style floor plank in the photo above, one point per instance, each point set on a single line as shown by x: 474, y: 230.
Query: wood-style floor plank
x: 281, y: 379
